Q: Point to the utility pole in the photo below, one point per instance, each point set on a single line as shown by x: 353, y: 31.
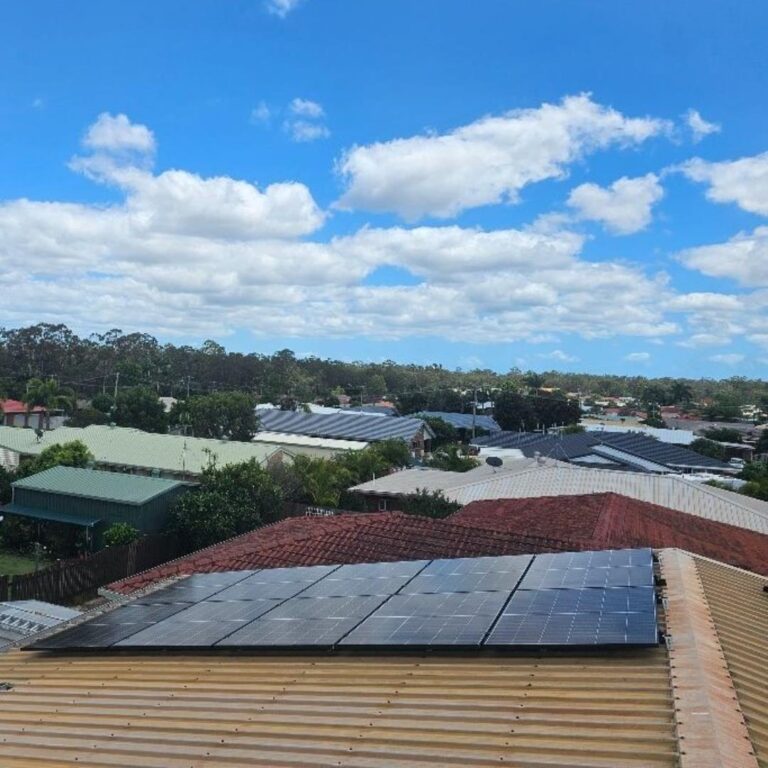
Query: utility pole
x: 474, y: 413
x: 117, y: 381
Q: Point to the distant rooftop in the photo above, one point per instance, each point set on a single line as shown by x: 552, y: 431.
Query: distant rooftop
x: 95, y: 484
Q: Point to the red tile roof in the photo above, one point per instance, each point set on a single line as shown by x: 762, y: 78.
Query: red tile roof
x: 608, y: 520
x: 16, y: 406
x: 352, y: 538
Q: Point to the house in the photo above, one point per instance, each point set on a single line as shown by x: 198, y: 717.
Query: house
x: 697, y: 700
x: 130, y: 450
x: 95, y: 500
x: 547, y: 477
x: 673, y: 436
x: 365, y: 427
x: 629, y: 451
x: 14, y: 413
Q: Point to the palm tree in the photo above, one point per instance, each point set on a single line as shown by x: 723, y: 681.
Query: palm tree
x: 49, y: 396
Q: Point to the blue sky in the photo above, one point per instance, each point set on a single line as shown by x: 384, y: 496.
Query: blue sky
x: 572, y: 185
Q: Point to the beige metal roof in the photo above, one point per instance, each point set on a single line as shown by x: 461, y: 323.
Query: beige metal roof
x: 120, y: 446
x: 739, y: 610
x: 613, y: 711
x: 670, y: 491
x: 411, y: 480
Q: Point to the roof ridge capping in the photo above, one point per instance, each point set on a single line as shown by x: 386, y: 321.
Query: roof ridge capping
x: 710, y: 725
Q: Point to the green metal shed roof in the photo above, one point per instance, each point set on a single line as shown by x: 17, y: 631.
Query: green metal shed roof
x: 45, y: 514
x: 122, y: 446
x: 95, y: 484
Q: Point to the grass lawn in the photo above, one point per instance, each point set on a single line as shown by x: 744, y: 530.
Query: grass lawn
x: 12, y: 563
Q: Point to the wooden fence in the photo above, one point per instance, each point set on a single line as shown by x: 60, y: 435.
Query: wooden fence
x: 68, y: 579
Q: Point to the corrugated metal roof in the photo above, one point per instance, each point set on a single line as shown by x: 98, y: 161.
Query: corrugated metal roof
x: 96, y: 484
x: 572, y: 446
x: 739, y: 609
x: 411, y: 480
x: 612, y: 711
x: 674, y: 436
x: 463, y: 420
x: 120, y: 446
x: 345, y: 426
x: 53, y: 516
x: 622, y: 457
x: 665, y: 490
x: 292, y: 441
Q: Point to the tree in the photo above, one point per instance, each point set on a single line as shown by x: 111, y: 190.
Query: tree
x: 514, y: 412
x: 222, y: 415
x: 432, y: 504
x: 444, y: 432
x: 72, y: 454
x: 119, y: 534
x: 722, y: 434
x: 322, y: 480
x: 6, y: 478
x: 708, y: 448
x: 452, y: 457
x: 231, y: 500
x: 48, y: 395
x: 680, y: 393
x: 140, y: 408
x: 724, y: 407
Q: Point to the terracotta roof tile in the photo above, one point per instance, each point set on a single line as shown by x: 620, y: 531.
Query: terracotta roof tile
x: 608, y: 520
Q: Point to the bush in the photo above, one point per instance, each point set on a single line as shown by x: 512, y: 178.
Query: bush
x: 120, y: 533
x: 433, y: 504
x: 708, y: 448
x: 452, y: 458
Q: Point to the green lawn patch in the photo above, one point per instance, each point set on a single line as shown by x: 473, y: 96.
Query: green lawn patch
x: 13, y: 563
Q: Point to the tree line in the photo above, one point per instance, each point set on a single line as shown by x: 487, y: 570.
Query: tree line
x: 106, y: 363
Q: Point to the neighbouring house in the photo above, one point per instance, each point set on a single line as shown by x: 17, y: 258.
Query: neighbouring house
x: 124, y: 449
x: 14, y: 413
x: 94, y: 500
x: 547, y: 477
x: 629, y: 451
x: 364, y: 427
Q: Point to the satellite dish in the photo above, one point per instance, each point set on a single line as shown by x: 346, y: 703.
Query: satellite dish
x: 494, y: 461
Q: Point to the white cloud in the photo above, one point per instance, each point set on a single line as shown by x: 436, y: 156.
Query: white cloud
x: 306, y: 108
x: 261, y: 114
x: 181, y: 254
x: 743, y: 258
x: 623, y: 208
x: 304, y: 131
x: 305, y: 123
x: 705, y: 340
x: 485, y: 162
x: 281, y: 8
x: 699, y: 126
x: 728, y: 359
x: 116, y: 133
x: 638, y: 357
x: 743, y: 181
x: 560, y: 356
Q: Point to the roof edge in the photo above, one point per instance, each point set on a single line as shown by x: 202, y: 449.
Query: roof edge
x: 710, y: 725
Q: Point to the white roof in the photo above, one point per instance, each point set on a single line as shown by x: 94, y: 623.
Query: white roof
x: 419, y: 478
x: 120, y: 446
x: 291, y: 440
x: 672, y: 491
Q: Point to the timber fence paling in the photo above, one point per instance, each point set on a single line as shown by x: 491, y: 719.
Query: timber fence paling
x: 67, y: 579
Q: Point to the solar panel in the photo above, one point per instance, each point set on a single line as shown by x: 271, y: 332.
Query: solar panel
x: 575, y: 629
x: 285, y: 633
x: 562, y: 599
x: 430, y: 620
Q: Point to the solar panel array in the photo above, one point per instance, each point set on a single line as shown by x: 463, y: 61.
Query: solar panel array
x: 565, y: 599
